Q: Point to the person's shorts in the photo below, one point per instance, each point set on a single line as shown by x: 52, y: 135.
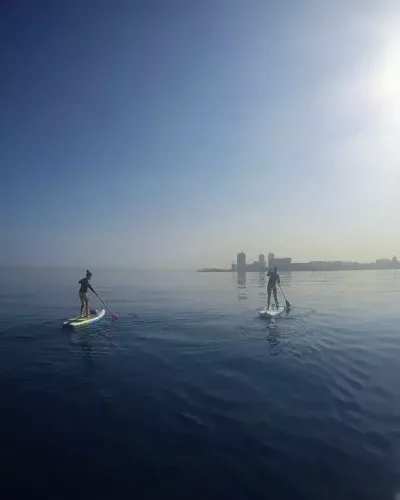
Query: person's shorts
x: 83, y: 297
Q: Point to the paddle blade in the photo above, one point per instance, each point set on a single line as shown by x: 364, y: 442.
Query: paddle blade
x: 114, y: 317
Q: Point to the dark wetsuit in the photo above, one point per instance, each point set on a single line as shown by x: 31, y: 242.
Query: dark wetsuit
x: 273, y: 280
x: 85, y: 285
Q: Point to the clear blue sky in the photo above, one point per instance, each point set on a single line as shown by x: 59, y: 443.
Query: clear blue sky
x: 177, y: 132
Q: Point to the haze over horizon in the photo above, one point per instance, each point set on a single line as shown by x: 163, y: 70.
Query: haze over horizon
x: 175, y: 134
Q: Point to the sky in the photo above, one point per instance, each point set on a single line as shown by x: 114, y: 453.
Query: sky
x: 175, y: 133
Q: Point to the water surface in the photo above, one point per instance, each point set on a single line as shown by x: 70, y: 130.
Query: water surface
x: 190, y: 395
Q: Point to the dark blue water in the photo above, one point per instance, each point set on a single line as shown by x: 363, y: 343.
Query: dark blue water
x: 190, y: 395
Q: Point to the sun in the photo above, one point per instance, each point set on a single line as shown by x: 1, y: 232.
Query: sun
x: 386, y: 86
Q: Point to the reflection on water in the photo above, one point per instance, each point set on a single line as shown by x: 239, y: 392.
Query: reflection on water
x: 286, y: 277
x: 262, y: 281
x: 241, y: 285
x: 273, y: 338
x: 81, y: 338
x: 85, y: 343
x: 241, y: 280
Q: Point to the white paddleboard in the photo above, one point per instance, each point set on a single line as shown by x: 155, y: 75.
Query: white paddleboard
x: 83, y: 321
x: 271, y: 313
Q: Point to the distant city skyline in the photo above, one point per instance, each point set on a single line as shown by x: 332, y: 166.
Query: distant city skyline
x: 274, y: 255
x: 287, y: 264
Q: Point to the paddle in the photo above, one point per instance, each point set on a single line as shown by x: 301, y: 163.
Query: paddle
x: 105, y: 305
x: 288, y: 305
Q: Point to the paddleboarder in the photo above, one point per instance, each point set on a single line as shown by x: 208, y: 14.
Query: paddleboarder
x: 85, y: 286
x: 271, y: 287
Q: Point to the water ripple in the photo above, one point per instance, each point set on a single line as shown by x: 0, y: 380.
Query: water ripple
x: 190, y: 392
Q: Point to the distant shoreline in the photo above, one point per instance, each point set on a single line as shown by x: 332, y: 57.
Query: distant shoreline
x: 295, y: 268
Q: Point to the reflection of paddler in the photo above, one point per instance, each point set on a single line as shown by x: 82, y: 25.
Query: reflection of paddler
x: 273, y: 280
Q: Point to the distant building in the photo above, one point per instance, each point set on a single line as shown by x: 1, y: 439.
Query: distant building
x: 301, y: 266
x: 282, y: 263
x: 233, y: 267
x: 261, y: 260
x: 271, y: 258
x: 322, y: 265
x: 388, y: 263
x: 349, y: 265
x: 241, y: 262
x: 254, y: 266
x: 383, y: 262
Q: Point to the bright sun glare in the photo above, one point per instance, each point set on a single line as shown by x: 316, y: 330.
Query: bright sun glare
x: 386, y: 87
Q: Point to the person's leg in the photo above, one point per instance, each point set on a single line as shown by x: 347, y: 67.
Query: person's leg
x: 82, y: 303
x: 269, y: 297
x: 86, y: 305
x: 276, y: 297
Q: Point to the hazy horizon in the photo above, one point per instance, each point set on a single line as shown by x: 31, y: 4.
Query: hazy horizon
x: 226, y: 265
x: 176, y: 134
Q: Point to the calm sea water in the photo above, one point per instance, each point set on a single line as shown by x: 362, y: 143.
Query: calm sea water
x: 189, y: 395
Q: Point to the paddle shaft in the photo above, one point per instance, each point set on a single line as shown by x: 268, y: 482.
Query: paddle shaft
x: 105, y: 305
x: 287, y: 302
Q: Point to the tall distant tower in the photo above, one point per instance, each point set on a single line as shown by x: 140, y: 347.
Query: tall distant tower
x: 241, y: 262
x: 261, y: 260
x: 271, y: 258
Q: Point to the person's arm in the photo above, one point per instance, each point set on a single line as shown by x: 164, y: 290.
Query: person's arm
x: 81, y: 281
x: 279, y: 280
x: 269, y: 273
x: 91, y: 288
